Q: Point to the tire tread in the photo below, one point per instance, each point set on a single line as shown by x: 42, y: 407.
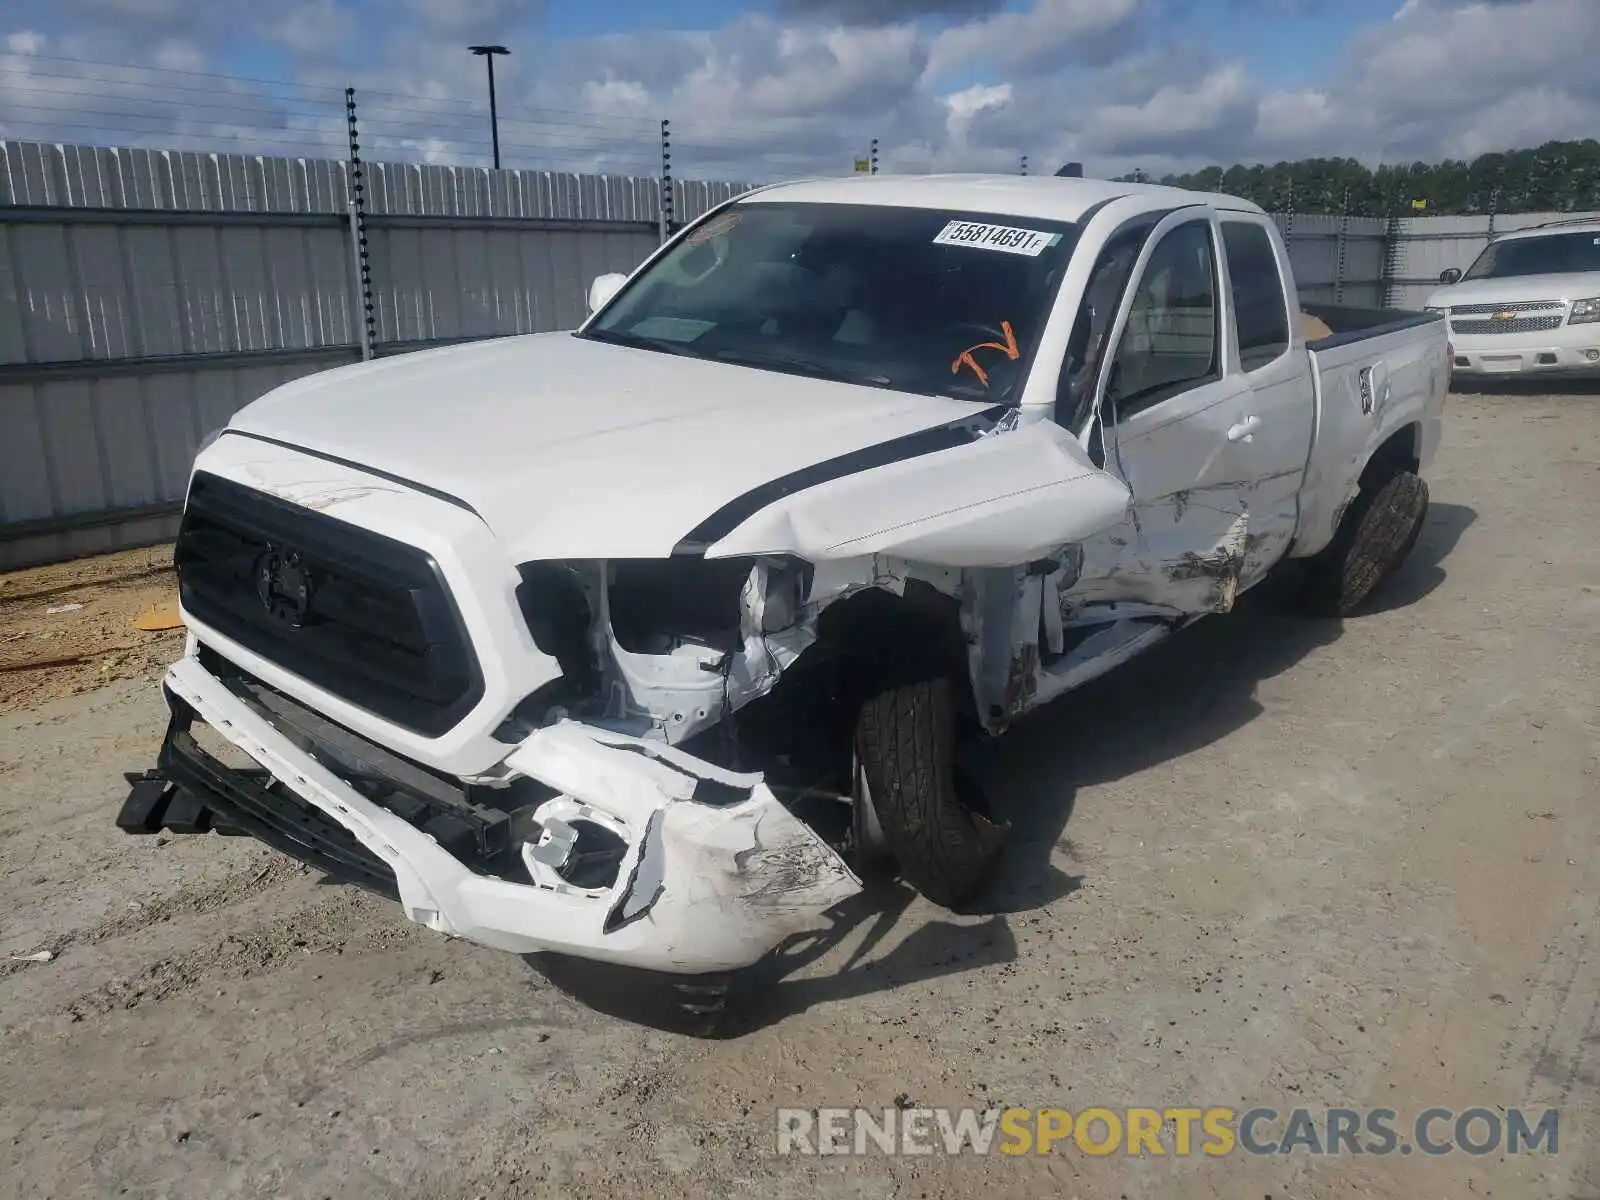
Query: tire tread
x: 1376, y: 535
x: 905, y: 739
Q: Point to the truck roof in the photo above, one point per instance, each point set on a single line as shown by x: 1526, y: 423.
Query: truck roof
x: 1044, y: 197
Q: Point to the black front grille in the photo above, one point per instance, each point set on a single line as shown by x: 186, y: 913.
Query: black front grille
x: 359, y: 615
x: 1514, y: 325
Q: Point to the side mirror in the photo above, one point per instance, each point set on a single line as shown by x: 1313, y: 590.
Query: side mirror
x: 603, y: 288
x: 1450, y: 275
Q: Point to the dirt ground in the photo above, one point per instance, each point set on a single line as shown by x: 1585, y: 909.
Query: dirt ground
x: 68, y: 629
x: 1277, y: 862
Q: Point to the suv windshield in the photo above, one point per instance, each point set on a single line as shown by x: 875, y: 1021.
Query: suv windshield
x: 1548, y: 254
x: 919, y: 300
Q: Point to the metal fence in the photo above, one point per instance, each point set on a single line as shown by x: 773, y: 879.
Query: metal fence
x: 1337, y: 260
x: 146, y: 295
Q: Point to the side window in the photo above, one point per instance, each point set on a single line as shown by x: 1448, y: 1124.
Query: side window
x: 1260, y: 307
x: 1169, y: 344
x: 1092, y: 329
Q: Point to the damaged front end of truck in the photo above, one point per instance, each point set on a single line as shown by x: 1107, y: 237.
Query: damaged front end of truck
x: 629, y: 820
x: 646, y: 761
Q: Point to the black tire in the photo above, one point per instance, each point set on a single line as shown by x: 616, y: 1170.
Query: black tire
x: 905, y: 737
x: 1378, y: 531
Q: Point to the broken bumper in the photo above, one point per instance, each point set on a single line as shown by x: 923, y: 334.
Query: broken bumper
x: 715, y: 874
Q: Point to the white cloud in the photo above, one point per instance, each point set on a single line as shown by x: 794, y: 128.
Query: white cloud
x: 804, y: 85
x: 310, y: 29
x: 966, y: 104
x: 1051, y: 33
x: 1178, y: 116
x: 1289, y: 120
x: 176, y: 54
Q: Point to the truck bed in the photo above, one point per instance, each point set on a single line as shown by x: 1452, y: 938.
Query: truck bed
x: 1382, y: 371
x: 1352, y: 323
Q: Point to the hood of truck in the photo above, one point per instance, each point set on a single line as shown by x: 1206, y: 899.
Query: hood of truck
x: 1518, y: 289
x: 567, y: 447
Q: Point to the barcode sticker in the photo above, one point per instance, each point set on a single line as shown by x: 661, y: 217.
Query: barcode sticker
x: 1005, y: 238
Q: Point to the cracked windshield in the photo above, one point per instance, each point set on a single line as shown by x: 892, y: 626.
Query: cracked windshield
x: 918, y: 300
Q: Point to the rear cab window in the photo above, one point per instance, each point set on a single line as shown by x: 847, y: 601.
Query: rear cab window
x: 1261, y: 309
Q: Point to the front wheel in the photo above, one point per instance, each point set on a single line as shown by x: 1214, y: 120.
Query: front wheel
x: 1378, y: 531
x: 929, y: 822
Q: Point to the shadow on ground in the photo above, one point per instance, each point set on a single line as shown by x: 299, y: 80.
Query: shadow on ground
x: 737, y: 1003
x: 1526, y: 386
x: 1424, y: 570
x: 1187, y: 693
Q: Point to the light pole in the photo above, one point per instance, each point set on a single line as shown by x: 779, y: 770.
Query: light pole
x: 487, y: 53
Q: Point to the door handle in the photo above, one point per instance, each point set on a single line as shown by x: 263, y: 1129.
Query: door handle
x: 1245, y: 430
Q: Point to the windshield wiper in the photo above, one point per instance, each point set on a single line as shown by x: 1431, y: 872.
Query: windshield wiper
x: 638, y: 341
x: 802, y: 366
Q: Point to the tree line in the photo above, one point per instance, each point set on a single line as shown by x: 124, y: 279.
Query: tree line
x: 1554, y: 177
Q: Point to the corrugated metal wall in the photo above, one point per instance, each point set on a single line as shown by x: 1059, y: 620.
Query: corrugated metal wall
x: 147, y: 295
x: 1336, y: 260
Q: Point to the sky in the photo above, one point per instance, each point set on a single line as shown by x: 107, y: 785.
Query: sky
x: 759, y: 89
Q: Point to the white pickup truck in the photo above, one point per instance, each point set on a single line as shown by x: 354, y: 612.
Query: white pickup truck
x: 634, y: 643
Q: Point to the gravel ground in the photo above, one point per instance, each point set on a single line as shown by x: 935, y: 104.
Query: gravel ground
x: 1277, y: 862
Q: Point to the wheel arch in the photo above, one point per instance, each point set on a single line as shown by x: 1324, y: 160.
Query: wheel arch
x: 1401, y: 450
x: 883, y: 637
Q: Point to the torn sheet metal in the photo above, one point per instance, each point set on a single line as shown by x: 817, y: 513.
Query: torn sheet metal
x: 1039, y: 630
x: 1186, y: 553
x: 713, y: 877
x: 1208, y: 581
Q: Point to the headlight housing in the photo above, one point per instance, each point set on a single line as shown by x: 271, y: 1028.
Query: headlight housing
x: 1434, y: 308
x: 1584, y: 311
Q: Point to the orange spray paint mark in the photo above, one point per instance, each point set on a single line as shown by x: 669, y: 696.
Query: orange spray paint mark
x: 1009, y: 347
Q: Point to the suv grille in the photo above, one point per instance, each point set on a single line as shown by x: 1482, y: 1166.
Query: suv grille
x: 1514, y: 325
x: 1518, y: 306
x: 359, y: 615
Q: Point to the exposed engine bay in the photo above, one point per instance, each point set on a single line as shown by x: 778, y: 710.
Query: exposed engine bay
x: 726, y: 658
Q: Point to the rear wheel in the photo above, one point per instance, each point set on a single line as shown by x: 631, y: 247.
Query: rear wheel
x: 929, y: 819
x: 1378, y: 531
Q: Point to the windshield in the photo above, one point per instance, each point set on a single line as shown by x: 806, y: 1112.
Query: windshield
x: 920, y: 300
x: 1550, y: 254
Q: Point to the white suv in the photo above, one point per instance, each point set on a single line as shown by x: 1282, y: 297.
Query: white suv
x: 1529, y: 304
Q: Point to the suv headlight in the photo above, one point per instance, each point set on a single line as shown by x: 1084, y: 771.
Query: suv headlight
x: 1433, y: 308
x: 1584, y: 311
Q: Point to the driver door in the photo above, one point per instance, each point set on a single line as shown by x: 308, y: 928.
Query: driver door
x: 1174, y: 424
